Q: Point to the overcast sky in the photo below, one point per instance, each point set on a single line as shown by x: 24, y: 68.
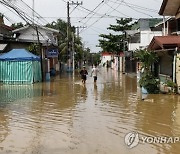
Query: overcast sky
x: 105, y: 14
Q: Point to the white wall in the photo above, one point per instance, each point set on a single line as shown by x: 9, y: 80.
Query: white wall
x: 105, y: 58
x: 31, y: 34
x: 133, y: 46
x: 178, y: 71
x: 147, y: 36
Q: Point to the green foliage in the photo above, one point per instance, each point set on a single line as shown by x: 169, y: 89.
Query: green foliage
x: 63, y: 46
x: 111, y: 43
x: 149, y: 82
x: 96, y: 58
x: 122, y: 25
x: 115, y: 43
x: 170, y: 83
x: 61, y: 26
x: 34, y: 48
x: 147, y: 58
x: 63, y: 39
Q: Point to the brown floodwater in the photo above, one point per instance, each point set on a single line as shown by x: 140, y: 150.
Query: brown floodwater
x: 65, y: 117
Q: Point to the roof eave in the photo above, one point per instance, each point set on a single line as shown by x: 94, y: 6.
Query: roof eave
x: 163, y: 6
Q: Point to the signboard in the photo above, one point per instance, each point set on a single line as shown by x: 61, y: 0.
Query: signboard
x: 52, y: 53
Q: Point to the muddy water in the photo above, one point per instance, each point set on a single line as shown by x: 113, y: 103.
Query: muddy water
x: 64, y: 117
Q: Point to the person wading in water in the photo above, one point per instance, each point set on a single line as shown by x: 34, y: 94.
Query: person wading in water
x: 84, y: 73
x: 94, y: 73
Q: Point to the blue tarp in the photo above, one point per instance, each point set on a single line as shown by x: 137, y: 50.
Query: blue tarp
x: 19, y: 55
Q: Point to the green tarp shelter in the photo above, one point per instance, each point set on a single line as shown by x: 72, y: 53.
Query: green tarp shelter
x: 19, y: 66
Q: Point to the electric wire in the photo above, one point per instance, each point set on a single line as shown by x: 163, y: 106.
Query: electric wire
x: 93, y: 10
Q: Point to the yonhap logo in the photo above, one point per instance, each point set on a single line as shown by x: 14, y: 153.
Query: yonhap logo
x: 132, y: 139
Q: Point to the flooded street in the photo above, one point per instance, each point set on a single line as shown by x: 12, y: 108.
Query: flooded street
x: 64, y: 117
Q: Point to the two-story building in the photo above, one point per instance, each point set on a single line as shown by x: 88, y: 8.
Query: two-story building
x: 167, y: 46
x: 139, y: 38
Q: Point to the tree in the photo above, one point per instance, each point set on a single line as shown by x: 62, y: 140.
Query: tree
x: 34, y: 48
x: 116, y: 43
x: 96, y: 58
x: 111, y: 43
x: 61, y: 26
x: 77, y: 47
x: 64, y: 39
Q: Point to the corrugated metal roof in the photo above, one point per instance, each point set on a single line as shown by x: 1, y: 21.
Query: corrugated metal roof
x: 164, y: 42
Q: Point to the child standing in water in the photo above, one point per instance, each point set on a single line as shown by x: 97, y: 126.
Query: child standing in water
x: 84, y: 73
x: 94, y: 73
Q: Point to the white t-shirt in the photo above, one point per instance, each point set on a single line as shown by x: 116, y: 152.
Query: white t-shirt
x: 94, y: 71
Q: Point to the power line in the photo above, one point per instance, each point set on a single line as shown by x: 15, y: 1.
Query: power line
x: 21, y: 14
x: 73, y: 9
x: 135, y: 6
x: 115, y: 9
x: 36, y: 13
x: 93, y: 10
x: 92, y: 16
x: 137, y: 10
x: 103, y: 17
x: 83, y: 17
x: 18, y: 11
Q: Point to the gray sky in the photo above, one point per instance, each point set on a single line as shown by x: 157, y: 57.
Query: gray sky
x: 106, y: 13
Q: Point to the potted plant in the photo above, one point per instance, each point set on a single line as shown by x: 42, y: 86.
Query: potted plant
x: 147, y: 81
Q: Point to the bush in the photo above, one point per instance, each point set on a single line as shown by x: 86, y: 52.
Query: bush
x: 171, y: 84
x: 150, y: 83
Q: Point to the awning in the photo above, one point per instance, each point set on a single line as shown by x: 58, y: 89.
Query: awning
x: 2, y: 46
x: 170, y: 8
x: 19, y: 55
x: 164, y: 42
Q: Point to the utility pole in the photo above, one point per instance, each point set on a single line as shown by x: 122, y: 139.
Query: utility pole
x: 41, y: 53
x: 70, y: 54
x: 68, y: 31
x: 78, y: 31
x: 78, y: 28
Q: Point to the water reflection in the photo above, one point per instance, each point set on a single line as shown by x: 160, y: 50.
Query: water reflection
x: 11, y: 93
x: 83, y: 92
x: 63, y: 116
x: 95, y: 92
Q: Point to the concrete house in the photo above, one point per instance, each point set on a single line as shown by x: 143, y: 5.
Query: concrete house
x: 167, y: 46
x: 106, y: 58
x: 113, y: 60
x: 139, y: 38
x: 48, y: 39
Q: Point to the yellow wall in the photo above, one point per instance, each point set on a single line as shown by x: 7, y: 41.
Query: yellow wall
x: 178, y: 71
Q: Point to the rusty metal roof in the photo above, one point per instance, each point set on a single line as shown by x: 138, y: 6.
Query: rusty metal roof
x: 164, y: 42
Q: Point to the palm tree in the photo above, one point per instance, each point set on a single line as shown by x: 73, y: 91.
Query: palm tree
x: 76, y: 45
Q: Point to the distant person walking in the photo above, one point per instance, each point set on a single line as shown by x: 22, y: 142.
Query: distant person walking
x: 84, y: 73
x: 94, y: 73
